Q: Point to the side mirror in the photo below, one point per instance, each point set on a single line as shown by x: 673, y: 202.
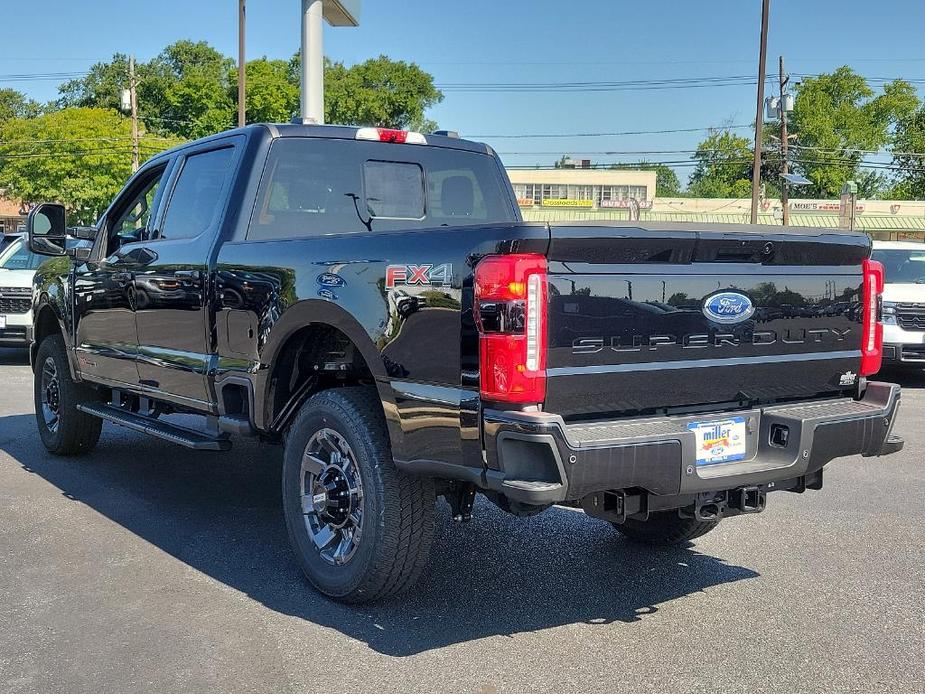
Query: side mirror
x: 46, y: 226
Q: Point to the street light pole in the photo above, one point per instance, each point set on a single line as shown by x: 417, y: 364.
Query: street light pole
x: 242, y: 77
x: 312, y: 93
x: 133, y: 106
x: 759, y: 116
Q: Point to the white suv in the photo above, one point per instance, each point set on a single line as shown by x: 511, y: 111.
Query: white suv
x: 903, y: 301
x: 17, y: 266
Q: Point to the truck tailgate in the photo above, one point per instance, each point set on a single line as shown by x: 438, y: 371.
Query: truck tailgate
x: 629, y: 332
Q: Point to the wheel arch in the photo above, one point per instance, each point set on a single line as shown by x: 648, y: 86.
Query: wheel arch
x: 47, y: 321
x: 314, y: 325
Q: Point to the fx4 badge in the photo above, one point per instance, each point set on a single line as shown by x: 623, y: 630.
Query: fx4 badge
x: 426, y: 275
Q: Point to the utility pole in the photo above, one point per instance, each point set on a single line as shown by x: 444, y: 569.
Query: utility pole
x: 242, y: 105
x: 784, y: 147
x: 759, y: 116
x: 133, y: 100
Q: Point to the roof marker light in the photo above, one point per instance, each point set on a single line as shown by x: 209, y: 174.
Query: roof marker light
x: 398, y: 137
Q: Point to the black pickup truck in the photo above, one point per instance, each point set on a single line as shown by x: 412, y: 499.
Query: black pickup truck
x: 372, y: 300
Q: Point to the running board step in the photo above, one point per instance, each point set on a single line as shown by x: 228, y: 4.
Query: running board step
x: 154, y: 427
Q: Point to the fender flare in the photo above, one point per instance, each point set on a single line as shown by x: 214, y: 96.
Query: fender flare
x: 322, y: 312
x: 45, y: 304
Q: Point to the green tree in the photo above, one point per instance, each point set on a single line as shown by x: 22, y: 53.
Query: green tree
x: 723, y: 168
x: 272, y: 95
x: 80, y: 157
x: 190, y: 90
x: 666, y: 182
x: 380, y: 92
x: 909, y: 155
x: 100, y: 88
x: 836, y: 119
x: 14, y: 104
x: 186, y: 90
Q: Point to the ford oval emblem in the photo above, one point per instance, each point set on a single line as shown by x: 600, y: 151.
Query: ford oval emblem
x: 728, y: 307
x: 329, y: 279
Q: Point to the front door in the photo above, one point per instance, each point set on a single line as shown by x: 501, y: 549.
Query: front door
x: 106, y: 342
x: 175, y: 343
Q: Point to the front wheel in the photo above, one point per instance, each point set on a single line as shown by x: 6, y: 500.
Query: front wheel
x: 664, y: 528
x: 63, y: 428
x: 361, y: 529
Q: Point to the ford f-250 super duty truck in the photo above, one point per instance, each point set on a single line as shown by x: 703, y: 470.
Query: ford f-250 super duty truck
x: 371, y: 299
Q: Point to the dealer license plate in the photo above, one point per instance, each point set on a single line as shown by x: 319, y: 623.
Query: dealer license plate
x: 721, y: 441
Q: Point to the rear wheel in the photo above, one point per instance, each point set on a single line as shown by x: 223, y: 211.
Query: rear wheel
x: 665, y: 528
x: 361, y: 530
x: 63, y: 428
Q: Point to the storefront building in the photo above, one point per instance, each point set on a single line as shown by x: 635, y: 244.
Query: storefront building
x: 12, y: 215
x: 601, y: 189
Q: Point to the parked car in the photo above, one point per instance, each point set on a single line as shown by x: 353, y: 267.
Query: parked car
x: 17, y: 266
x: 371, y: 300
x: 903, y: 301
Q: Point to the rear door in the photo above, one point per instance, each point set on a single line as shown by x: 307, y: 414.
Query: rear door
x: 639, y: 321
x: 171, y: 282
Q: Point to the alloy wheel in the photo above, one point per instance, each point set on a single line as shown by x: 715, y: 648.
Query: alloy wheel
x: 332, y: 496
x: 51, y: 395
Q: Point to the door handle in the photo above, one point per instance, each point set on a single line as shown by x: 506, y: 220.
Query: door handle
x: 187, y: 274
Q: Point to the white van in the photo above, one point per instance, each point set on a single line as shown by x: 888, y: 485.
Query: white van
x: 903, y: 301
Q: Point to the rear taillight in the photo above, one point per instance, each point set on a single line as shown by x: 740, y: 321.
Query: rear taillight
x: 872, y: 334
x: 510, y: 312
x: 398, y: 137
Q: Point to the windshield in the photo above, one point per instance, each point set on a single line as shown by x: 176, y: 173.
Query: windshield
x: 902, y: 266
x: 17, y: 256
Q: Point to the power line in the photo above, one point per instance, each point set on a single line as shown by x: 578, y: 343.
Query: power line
x: 87, y: 152
x: 8, y: 143
x: 603, y: 86
x: 37, y: 76
x: 611, y: 134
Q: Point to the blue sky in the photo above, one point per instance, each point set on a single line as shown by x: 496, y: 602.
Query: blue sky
x: 496, y: 41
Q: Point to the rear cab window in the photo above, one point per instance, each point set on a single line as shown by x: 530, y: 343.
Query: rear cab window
x: 314, y: 186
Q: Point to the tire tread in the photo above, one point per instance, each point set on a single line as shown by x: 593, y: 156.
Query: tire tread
x: 78, y: 432
x: 407, y: 501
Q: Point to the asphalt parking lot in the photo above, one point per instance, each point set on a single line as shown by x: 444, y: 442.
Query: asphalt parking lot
x: 145, y: 567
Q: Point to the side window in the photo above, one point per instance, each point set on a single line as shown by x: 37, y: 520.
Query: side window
x: 309, y: 187
x: 132, y: 221
x: 394, y: 190
x: 194, y: 204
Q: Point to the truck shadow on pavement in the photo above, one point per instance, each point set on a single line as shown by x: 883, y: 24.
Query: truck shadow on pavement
x: 496, y: 576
